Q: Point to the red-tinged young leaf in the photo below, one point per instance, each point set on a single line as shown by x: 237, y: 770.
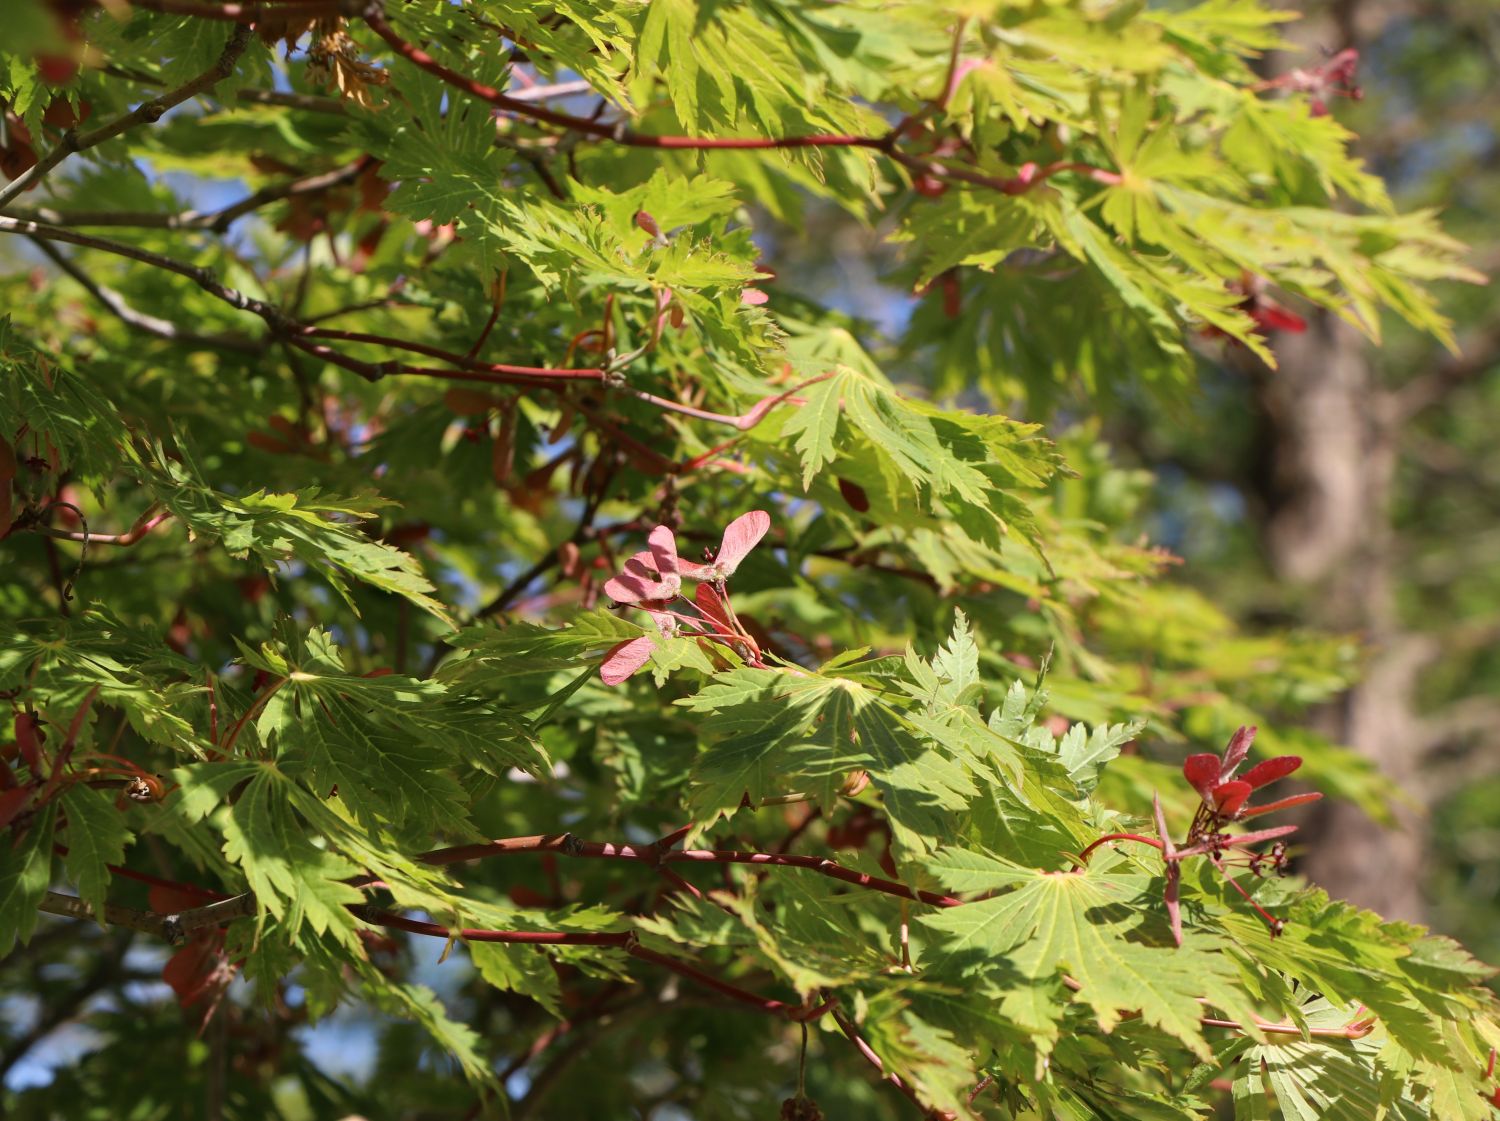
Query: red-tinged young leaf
x: 753, y: 297
x: 1273, y: 317
x: 75, y: 727
x: 1228, y: 797
x: 28, y: 740
x: 1269, y: 770
x: 192, y: 971
x: 624, y: 659
x: 12, y: 802
x: 1202, y: 773
x: 1281, y: 804
x: 1235, y: 753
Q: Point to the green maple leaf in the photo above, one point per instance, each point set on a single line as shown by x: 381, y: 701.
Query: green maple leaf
x: 1080, y: 924
x: 96, y: 836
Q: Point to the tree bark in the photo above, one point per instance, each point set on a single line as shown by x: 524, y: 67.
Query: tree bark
x: 1333, y: 446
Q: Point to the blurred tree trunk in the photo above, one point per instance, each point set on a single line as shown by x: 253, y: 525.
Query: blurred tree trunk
x: 1334, y: 436
x: 1331, y: 434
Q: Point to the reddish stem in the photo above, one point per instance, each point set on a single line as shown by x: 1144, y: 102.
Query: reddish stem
x: 464, y: 362
x: 820, y: 865
x: 569, y: 845
x: 626, y: 940
x: 524, y: 937
x: 847, y: 1027
x: 621, y: 134
x: 1086, y: 853
x: 255, y: 706
x: 143, y: 525
x: 617, y: 133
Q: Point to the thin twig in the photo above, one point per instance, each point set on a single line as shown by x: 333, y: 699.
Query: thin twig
x: 175, y: 929
x: 140, y: 320
x: 847, y: 1026
x: 203, y: 278
x: 148, y: 521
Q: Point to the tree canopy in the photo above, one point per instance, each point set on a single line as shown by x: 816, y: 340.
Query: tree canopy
x: 464, y: 587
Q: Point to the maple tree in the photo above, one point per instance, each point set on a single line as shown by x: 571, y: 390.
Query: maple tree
x: 377, y: 378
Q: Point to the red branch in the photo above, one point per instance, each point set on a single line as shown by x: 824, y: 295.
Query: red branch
x: 625, y: 940
x: 847, y: 1027
x: 529, y: 373
x: 1029, y: 176
x: 143, y: 525
x: 658, y: 853
x: 620, y: 135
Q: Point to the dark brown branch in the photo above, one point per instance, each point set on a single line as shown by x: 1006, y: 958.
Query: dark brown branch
x: 140, y: 320
x: 202, y: 277
x: 308, y: 101
x: 147, y: 112
x: 464, y: 363
x: 172, y: 928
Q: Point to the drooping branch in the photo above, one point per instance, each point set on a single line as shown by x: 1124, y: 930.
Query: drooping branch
x: 139, y: 320
x: 202, y: 277
x: 600, y: 129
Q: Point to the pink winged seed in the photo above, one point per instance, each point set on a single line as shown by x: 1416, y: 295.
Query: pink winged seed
x: 624, y: 659
x: 663, y: 546
x: 637, y: 582
x: 740, y: 536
